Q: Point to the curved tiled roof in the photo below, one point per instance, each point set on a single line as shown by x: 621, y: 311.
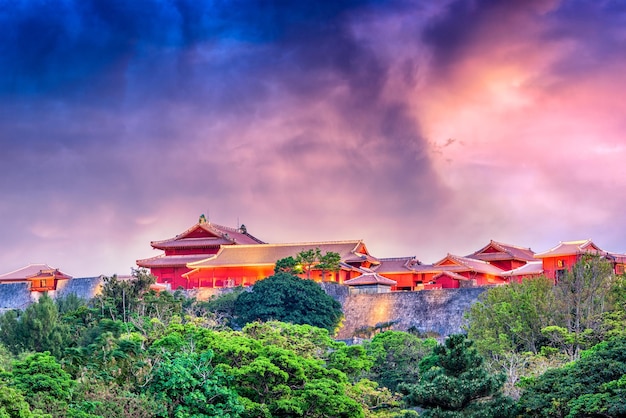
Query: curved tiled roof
x: 450, y: 274
x: 397, y: 264
x: 571, y: 248
x: 223, y: 235
x: 370, y: 279
x: 171, y: 260
x: 31, y: 271
x: 504, y: 252
x: 267, y: 254
x: 465, y: 264
x: 530, y: 269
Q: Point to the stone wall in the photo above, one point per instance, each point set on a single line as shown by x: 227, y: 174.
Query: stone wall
x: 84, y: 287
x: 14, y: 296
x: 19, y: 296
x: 435, y: 311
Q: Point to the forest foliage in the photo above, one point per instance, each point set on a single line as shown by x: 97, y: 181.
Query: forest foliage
x: 533, y: 349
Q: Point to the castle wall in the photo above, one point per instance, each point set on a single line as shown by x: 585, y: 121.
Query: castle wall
x: 14, y: 296
x: 437, y: 311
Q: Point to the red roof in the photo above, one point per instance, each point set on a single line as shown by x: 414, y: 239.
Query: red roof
x: 207, y: 234
x: 450, y: 274
x: 170, y: 260
x: 268, y: 254
x: 533, y: 268
x: 500, y: 251
x: 457, y: 263
x: 571, y: 248
x: 397, y: 265
x: 31, y: 271
x: 370, y: 279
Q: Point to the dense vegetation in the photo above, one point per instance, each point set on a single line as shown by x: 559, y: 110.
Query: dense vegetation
x: 534, y: 350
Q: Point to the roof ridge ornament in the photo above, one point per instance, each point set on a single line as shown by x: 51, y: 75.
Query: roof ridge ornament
x: 202, y: 220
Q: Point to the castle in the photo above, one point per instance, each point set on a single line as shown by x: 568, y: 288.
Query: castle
x: 211, y: 256
x: 208, y: 257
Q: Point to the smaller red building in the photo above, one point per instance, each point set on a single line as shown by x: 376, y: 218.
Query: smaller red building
x: 561, y: 258
x: 399, y: 269
x: 41, y: 277
x: 454, y: 271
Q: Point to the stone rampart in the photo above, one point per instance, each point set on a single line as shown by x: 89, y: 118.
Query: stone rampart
x: 431, y: 311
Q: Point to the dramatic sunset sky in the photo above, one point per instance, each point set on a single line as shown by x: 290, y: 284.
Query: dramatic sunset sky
x: 422, y: 127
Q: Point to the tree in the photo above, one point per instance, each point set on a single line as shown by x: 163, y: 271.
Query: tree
x: 510, y: 318
x: 583, y: 295
x: 13, y: 405
x: 288, y: 265
x: 37, y: 328
x: 454, y: 383
x: 44, y: 383
x: 120, y: 298
x: 328, y: 263
x: 396, y: 357
x: 287, y: 298
x: 594, y: 385
x: 307, y: 259
x: 193, y: 387
x: 276, y: 369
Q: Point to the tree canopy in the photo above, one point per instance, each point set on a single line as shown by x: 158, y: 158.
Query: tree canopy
x: 454, y: 383
x: 287, y: 298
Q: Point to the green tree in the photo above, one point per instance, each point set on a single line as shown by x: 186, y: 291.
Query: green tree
x: 273, y: 373
x: 99, y: 400
x: 328, y: 263
x: 222, y: 306
x: 583, y: 295
x: 193, y: 387
x: 510, y: 318
x: 37, y: 328
x: 44, y: 383
x: 307, y: 259
x: 396, y: 357
x: 120, y: 298
x: 454, y: 383
x: 287, y: 298
x: 288, y: 265
x: 13, y: 405
x: 594, y: 385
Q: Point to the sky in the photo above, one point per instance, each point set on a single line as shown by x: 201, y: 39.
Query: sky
x: 423, y: 128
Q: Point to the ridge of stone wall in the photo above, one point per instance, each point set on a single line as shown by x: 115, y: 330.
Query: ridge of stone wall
x: 429, y: 311
x: 14, y: 296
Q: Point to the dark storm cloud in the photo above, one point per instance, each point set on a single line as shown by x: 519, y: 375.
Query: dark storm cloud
x: 123, y: 111
x: 48, y: 45
x: 460, y: 24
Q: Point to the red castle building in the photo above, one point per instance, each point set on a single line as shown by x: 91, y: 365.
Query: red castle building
x: 557, y: 260
x: 197, y: 243
x: 40, y: 277
x: 212, y: 256
x: 208, y: 255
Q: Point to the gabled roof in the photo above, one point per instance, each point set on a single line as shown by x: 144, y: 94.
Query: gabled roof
x: 397, y: 265
x: 457, y: 263
x: 370, y: 279
x: 170, y: 260
x: 500, y: 251
x: 619, y: 258
x: 450, y: 274
x: 532, y: 268
x: 51, y: 273
x: 268, y: 254
x: 207, y: 234
x: 30, y: 271
x: 571, y: 248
